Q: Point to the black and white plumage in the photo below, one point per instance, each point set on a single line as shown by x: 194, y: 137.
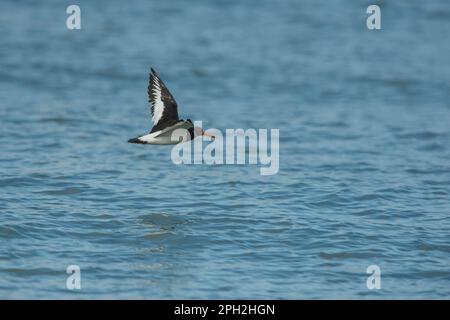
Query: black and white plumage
x: 164, y: 113
x: 163, y: 108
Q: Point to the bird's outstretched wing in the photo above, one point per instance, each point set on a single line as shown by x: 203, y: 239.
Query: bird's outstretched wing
x: 163, y: 105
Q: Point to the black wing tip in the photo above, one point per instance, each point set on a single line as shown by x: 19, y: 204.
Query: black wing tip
x: 153, y: 72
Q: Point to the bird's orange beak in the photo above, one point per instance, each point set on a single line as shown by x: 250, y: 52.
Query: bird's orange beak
x: 205, y: 134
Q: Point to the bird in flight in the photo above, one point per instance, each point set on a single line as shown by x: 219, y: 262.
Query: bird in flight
x: 164, y: 112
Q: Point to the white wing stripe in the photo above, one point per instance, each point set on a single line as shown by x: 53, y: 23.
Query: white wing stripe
x: 158, y: 105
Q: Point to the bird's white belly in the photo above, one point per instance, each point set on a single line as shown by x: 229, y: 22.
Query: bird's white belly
x: 165, y: 136
x: 157, y: 138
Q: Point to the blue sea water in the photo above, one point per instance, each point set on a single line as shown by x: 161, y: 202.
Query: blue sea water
x: 364, y: 178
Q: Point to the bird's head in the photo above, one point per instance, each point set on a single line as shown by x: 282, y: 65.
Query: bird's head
x: 199, y: 132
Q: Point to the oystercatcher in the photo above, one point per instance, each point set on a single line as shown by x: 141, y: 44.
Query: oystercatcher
x: 165, y: 115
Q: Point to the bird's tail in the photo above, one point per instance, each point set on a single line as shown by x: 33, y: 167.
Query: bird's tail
x: 136, y: 140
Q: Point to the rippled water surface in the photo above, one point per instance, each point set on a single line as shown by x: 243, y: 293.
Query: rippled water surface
x: 364, y: 119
